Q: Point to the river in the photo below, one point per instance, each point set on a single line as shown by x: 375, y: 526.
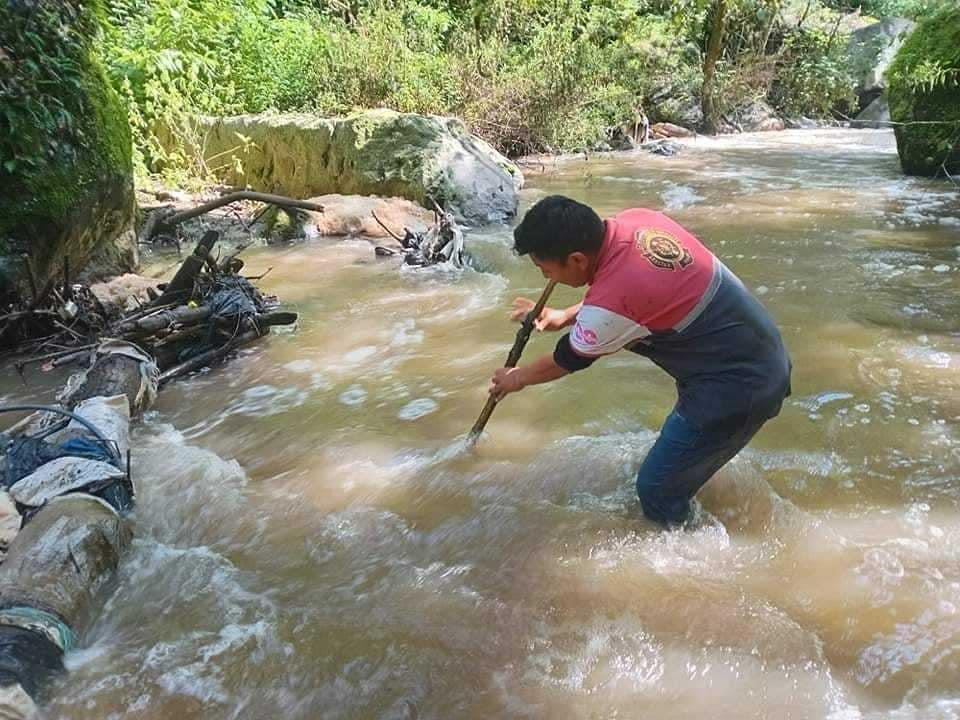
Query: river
x: 311, y: 544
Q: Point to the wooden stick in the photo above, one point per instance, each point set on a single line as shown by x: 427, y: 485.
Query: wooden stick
x: 262, y: 275
x: 69, y: 330
x: 51, y: 356
x: 143, y: 312
x: 183, y: 280
x: 523, y: 335
x: 65, y: 359
x: 67, y: 290
x: 280, y: 200
x: 390, y: 232
x: 31, y: 278
x: 21, y: 314
x: 208, y: 357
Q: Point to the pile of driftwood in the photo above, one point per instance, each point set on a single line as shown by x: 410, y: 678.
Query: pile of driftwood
x: 442, y: 242
x: 66, y: 468
x: 56, y: 314
x: 61, y: 314
x: 206, y: 310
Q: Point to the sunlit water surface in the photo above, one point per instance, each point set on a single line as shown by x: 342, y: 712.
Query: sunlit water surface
x: 311, y: 544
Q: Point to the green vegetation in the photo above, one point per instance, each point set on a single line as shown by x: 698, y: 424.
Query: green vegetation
x: 527, y: 75
x: 924, y: 92
x: 63, y: 133
x: 912, y: 9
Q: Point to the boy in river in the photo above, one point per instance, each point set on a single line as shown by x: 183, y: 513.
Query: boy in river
x: 656, y: 290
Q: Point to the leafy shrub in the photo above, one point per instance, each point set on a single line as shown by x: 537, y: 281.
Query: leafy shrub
x: 392, y: 56
x: 43, y: 58
x: 924, y: 88
x: 813, y: 74
x: 175, y: 59
x: 61, y: 126
x: 525, y: 74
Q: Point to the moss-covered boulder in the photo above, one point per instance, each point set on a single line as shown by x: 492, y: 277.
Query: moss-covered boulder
x: 66, y: 178
x: 377, y: 152
x: 923, y: 87
x: 871, y: 49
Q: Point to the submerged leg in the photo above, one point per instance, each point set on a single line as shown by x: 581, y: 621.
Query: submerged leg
x: 682, y: 459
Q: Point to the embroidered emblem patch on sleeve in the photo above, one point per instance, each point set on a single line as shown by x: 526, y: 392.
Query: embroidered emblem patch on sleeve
x: 663, y: 250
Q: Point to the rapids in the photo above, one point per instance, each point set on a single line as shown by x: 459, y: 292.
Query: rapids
x: 310, y: 544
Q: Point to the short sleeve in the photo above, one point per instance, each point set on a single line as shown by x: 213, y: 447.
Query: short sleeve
x: 599, y: 331
x: 565, y: 357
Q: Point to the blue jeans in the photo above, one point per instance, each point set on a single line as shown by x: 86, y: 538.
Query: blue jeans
x: 685, y: 456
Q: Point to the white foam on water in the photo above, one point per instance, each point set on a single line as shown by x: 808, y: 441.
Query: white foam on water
x: 353, y: 396
x: 416, y: 409
x: 381, y: 574
x: 260, y: 400
x: 361, y: 353
x: 405, y: 332
x: 677, y: 197
x: 625, y: 179
x: 299, y: 366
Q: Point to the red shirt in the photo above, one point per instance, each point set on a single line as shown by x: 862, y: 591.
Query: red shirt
x: 652, y: 276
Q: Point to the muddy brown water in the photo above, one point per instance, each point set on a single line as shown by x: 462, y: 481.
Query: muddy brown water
x: 311, y: 545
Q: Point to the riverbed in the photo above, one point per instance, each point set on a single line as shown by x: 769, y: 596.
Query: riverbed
x: 311, y: 543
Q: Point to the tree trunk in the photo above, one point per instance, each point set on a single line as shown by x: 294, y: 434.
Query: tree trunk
x: 60, y: 559
x: 711, y: 113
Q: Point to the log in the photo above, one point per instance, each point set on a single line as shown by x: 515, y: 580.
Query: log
x: 188, y: 316
x: 165, y: 221
x: 150, y: 324
x: 277, y: 317
x: 181, y: 286
x: 71, y: 545
x: 62, y: 556
x: 111, y: 375
x: 281, y: 200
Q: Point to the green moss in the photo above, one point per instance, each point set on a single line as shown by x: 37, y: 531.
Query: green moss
x: 70, y: 144
x: 923, y: 84
x: 388, y: 146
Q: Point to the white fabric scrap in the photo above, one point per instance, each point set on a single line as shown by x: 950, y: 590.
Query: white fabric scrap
x: 61, y: 476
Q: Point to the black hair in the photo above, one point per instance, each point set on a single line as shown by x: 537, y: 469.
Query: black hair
x: 557, y: 226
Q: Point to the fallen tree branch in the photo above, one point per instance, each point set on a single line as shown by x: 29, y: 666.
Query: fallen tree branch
x: 166, y: 223
x: 389, y: 232
x: 20, y: 364
x: 182, y: 315
x: 208, y: 357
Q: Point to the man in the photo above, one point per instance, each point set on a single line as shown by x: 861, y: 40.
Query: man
x: 656, y: 290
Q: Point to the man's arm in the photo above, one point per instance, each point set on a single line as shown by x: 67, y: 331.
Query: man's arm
x: 550, y: 318
x: 508, y: 380
x: 570, y: 314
